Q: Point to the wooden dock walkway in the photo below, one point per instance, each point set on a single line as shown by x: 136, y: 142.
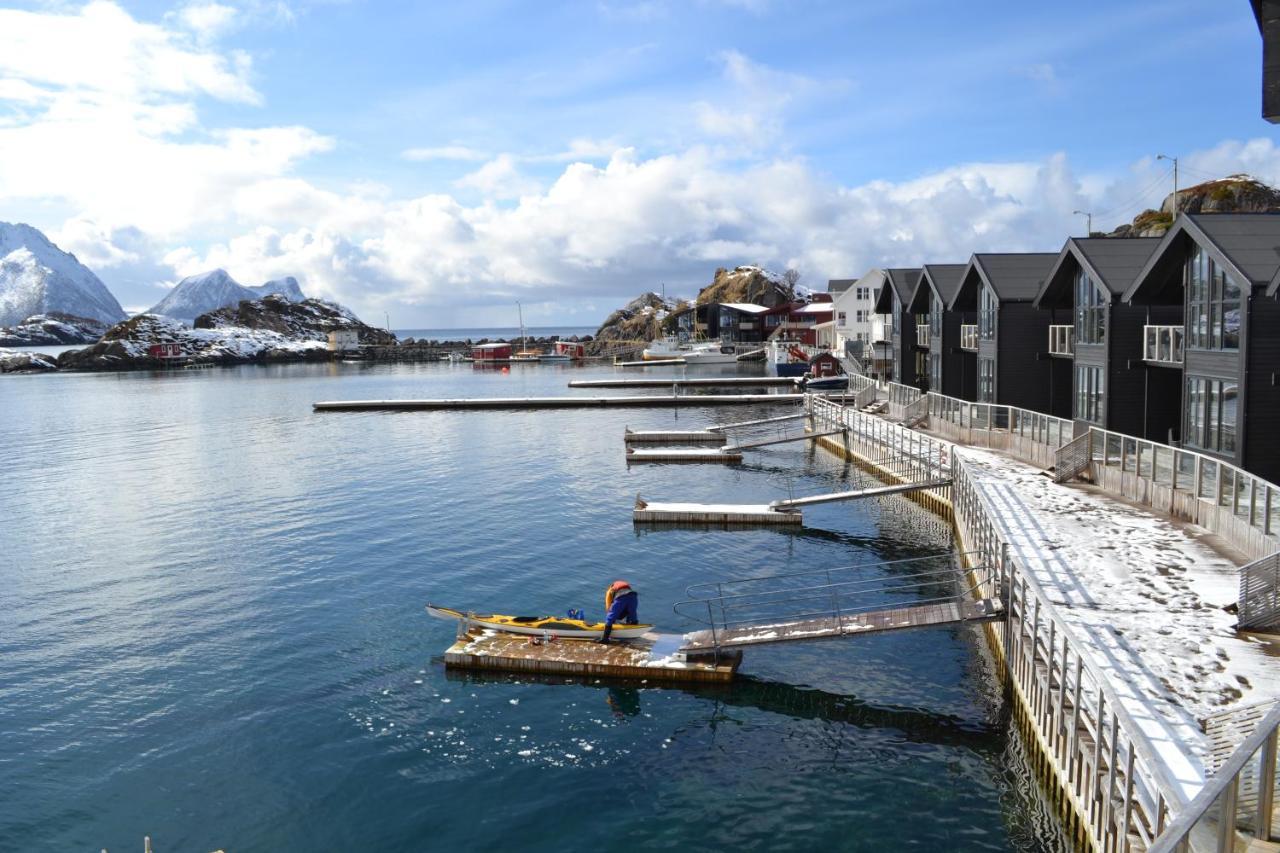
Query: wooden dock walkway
x: 655, y: 657
x: 757, y: 422
x: 655, y: 362
x: 689, y: 513
x: 671, y: 436
x: 769, y: 442
x: 682, y: 454
x: 848, y: 624
x: 485, y: 403
x: 677, y: 382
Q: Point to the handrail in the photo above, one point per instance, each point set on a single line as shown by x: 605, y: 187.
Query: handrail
x: 719, y: 585
x: 1227, y: 776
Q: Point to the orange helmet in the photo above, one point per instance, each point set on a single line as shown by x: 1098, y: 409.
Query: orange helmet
x: 619, y: 585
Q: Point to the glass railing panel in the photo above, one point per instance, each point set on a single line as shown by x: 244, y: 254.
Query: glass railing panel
x: 1130, y: 459
x: 1163, y: 462
x: 1186, y: 465
x: 1244, y: 489
x: 1209, y: 480
x: 1144, y: 459
x: 1113, y: 449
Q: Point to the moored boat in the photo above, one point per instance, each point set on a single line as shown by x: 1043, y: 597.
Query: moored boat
x: 561, y: 627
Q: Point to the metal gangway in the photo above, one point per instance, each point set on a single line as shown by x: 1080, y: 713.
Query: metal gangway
x: 862, y: 598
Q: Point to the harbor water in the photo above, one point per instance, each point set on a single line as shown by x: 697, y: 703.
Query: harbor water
x: 212, y: 633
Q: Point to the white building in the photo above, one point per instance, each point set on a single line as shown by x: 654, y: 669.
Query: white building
x: 344, y: 340
x: 857, y: 325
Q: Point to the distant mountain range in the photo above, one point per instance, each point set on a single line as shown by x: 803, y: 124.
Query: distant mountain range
x: 36, y: 277
x: 209, y: 291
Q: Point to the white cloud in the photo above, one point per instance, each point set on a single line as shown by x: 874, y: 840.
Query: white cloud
x: 443, y: 152
x: 208, y: 21
x: 499, y: 179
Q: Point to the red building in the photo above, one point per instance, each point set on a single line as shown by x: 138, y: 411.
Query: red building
x: 574, y: 349
x: 491, y: 352
x: 165, y: 351
x: 794, y: 321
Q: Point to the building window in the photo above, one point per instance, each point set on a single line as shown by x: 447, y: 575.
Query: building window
x: 840, y: 318
x: 863, y: 293
x: 860, y: 337
x: 922, y: 367
x: 988, y: 306
x: 1091, y: 311
x: 862, y: 315
x: 986, y: 380
x: 935, y: 371
x: 935, y: 318
x: 1088, y: 397
x: 1212, y: 414
x: 1213, y: 304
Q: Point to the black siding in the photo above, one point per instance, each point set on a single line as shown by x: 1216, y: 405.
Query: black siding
x: 959, y: 367
x: 1260, y: 414
x: 1023, y: 374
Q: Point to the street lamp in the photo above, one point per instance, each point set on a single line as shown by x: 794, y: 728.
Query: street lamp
x: 1175, y: 180
x: 1089, y: 227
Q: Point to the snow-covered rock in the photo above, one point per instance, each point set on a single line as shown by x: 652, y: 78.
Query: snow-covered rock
x: 54, y: 329
x: 12, y: 361
x: 209, y: 291
x: 36, y: 277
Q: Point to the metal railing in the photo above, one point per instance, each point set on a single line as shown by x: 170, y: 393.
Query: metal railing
x: 916, y: 412
x: 1072, y: 459
x: 1162, y: 344
x: 1062, y: 340
x: 922, y: 334
x: 1032, y: 437
x: 969, y: 336
x: 909, y: 455
x: 1099, y: 754
x: 1190, y: 485
x: 1238, y: 803
x: 900, y: 397
x: 1259, y: 602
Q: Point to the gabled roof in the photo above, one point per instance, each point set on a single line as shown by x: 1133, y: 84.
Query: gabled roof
x: 1013, y: 277
x: 1247, y: 245
x: 903, y: 281
x: 839, y: 285
x: 1112, y: 262
x: 942, y: 279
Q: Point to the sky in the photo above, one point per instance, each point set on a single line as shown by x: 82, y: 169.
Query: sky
x: 439, y: 162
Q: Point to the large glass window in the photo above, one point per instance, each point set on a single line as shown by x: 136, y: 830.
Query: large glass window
x: 986, y: 380
x: 935, y: 319
x: 1088, y: 396
x: 935, y: 370
x: 1211, y: 415
x: 1213, y: 304
x: 988, y: 306
x: 1091, y: 310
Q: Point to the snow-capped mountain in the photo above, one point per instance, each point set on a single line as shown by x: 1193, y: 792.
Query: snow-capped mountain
x: 36, y: 277
x: 209, y: 291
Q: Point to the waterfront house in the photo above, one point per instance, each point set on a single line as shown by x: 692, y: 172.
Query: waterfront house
x: 798, y: 321
x: 575, y: 350
x: 1012, y: 366
x: 1100, y: 336
x: 1223, y: 272
x: 491, y: 353
x: 740, y: 322
x: 852, y: 314
x: 940, y: 360
x: 900, y: 328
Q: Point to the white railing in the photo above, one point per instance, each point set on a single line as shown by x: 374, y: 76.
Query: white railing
x: 1237, y: 805
x: 1231, y: 502
x: 1030, y: 436
x: 1062, y: 340
x: 906, y: 454
x: 1162, y: 344
x: 900, y: 397
x: 969, y: 336
x: 1099, y: 755
x: 922, y: 334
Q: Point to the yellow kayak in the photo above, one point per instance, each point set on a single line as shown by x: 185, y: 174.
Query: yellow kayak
x: 559, y: 626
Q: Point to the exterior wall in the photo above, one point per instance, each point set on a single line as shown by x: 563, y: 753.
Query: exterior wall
x: 1023, y: 377
x: 849, y: 330
x: 1261, y: 447
x: 1125, y: 371
x: 959, y: 367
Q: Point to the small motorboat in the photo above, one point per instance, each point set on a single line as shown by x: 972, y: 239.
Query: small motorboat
x: 825, y: 383
x: 554, y: 358
x: 558, y: 626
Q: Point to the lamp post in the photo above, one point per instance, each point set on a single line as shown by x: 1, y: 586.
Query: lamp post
x: 1175, y: 180
x: 1089, y: 220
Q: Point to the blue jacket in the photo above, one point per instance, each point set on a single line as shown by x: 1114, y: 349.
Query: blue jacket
x: 624, y: 608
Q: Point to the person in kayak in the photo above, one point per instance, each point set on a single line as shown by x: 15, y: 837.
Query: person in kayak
x: 621, y: 603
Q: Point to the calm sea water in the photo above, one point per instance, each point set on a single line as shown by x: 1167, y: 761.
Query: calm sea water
x: 212, y: 632
x: 495, y: 333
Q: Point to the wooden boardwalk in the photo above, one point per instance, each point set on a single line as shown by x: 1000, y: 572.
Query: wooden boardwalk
x: 879, y: 621
x: 632, y: 401
x: 655, y: 657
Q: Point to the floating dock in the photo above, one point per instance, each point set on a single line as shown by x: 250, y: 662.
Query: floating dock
x: 689, y: 513
x: 655, y: 657
x: 683, y: 454
x: 723, y: 382
x: 632, y: 401
x: 660, y: 436
x: 656, y: 362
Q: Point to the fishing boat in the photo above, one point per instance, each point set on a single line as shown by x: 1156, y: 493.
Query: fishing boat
x: 561, y: 627
x: 554, y: 358
x: 712, y: 352
x: 787, y: 358
x: 662, y: 349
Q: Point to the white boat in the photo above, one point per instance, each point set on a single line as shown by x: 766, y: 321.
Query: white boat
x: 787, y: 358
x: 665, y: 348
x: 554, y: 358
x: 710, y: 353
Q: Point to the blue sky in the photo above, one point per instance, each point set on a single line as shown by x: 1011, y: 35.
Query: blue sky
x: 440, y: 161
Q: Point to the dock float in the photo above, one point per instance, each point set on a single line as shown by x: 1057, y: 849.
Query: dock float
x: 676, y: 382
x: 683, y: 454
x: 690, y: 513
x: 654, y: 657
x: 656, y: 362
x: 660, y: 436
x: 632, y: 401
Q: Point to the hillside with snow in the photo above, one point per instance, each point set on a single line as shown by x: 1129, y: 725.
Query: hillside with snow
x: 36, y: 277
x: 209, y: 291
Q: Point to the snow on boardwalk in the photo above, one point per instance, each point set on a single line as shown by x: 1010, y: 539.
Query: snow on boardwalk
x: 1146, y: 592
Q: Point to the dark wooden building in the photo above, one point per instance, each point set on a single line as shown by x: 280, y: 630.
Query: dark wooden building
x: 1101, y: 337
x: 892, y: 301
x: 1223, y: 272
x: 1013, y: 364
x: 940, y: 360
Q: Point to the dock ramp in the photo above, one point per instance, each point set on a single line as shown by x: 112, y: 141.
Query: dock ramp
x: 863, y: 598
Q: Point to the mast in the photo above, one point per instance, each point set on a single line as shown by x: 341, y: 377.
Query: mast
x: 520, y: 312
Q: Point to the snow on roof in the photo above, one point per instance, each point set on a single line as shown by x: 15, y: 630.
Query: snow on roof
x: 745, y: 307
x: 817, y: 308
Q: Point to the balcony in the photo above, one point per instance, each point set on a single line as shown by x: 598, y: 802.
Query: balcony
x: 969, y: 336
x: 922, y: 335
x: 1062, y: 341
x: 1162, y: 344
